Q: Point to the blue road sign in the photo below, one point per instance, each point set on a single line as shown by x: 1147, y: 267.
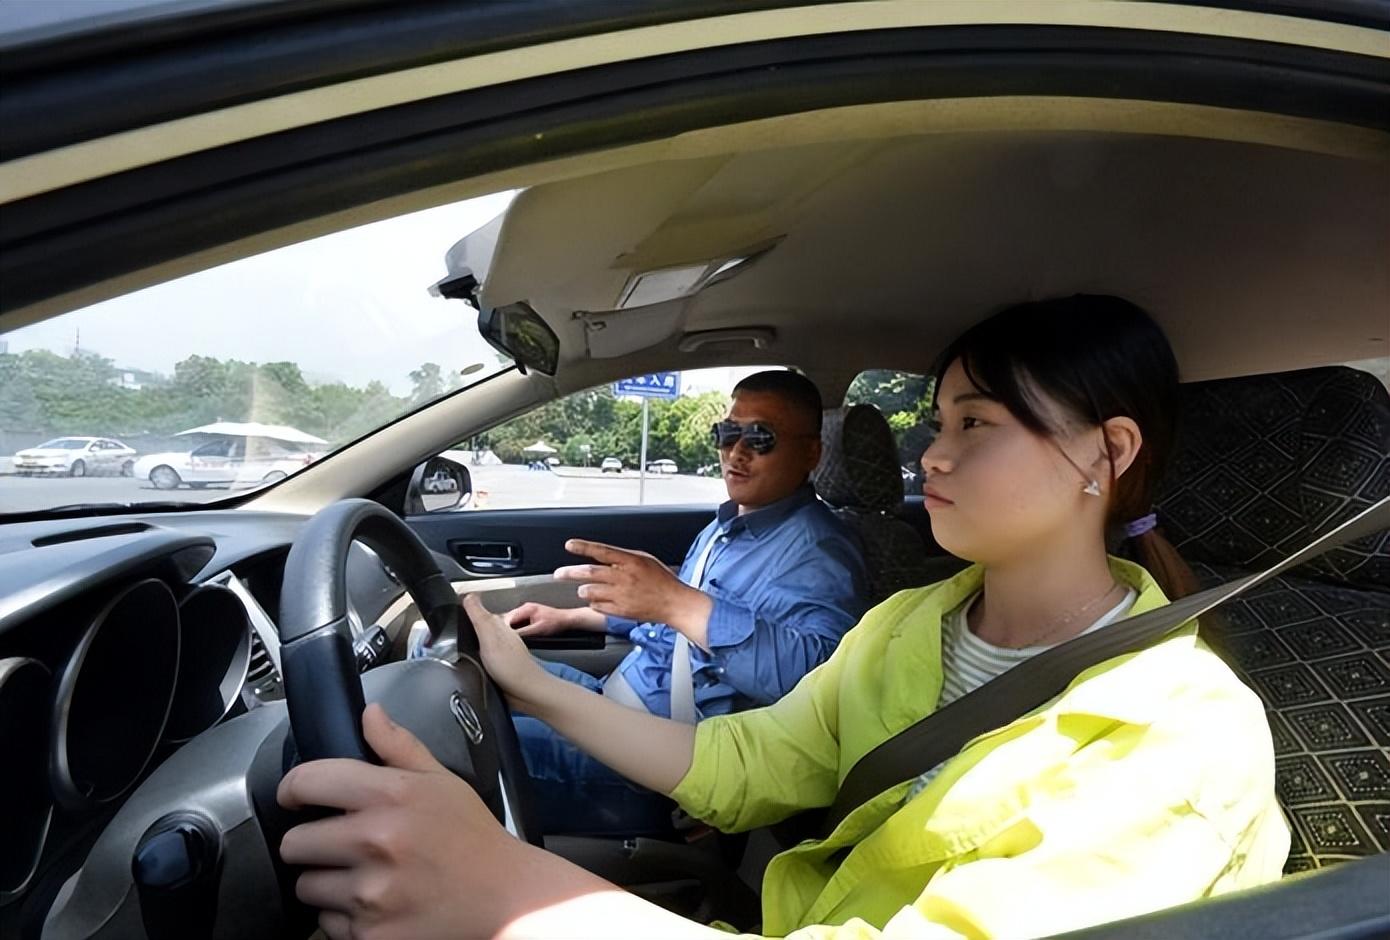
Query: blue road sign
x: 656, y: 385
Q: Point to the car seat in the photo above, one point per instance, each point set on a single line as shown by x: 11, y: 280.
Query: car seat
x: 1263, y: 465
x: 860, y: 479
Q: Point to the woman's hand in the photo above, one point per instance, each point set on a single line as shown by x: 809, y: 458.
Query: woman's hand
x: 416, y: 855
x: 409, y: 853
x: 505, y: 656
x: 532, y: 619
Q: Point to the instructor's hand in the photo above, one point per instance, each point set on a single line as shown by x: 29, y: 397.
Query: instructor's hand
x: 637, y: 586
x: 532, y: 619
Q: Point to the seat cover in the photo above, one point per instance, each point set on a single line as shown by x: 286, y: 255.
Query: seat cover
x: 1263, y: 465
x: 859, y: 478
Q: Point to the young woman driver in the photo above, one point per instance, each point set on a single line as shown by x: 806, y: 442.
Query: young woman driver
x: 1149, y: 782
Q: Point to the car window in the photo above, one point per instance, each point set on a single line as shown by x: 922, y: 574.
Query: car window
x: 905, y: 399
x: 322, y: 342
x: 585, y: 449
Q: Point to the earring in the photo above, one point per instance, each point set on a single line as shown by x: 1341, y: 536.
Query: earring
x: 1092, y: 488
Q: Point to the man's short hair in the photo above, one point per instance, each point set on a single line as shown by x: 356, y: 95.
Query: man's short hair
x: 793, y: 387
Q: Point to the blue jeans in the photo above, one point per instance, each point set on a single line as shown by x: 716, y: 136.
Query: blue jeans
x: 577, y: 795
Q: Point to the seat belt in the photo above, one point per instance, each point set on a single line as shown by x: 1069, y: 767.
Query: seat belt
x: 682, y: 684
x: 1036, y: 681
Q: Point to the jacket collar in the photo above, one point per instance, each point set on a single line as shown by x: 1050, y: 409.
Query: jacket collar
x: 1091, y: 692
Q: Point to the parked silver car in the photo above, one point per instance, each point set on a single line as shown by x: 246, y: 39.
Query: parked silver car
x: 76, y: 457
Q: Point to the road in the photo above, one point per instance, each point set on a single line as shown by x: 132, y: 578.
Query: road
x: 503, y: 487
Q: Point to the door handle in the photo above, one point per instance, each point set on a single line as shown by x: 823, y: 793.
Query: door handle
x: 487, y: 558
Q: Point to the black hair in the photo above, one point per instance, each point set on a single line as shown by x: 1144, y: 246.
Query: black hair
x: 793, y: 387
x: 1098, y: 357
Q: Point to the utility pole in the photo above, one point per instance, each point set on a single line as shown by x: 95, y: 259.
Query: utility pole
x: 642, y: 464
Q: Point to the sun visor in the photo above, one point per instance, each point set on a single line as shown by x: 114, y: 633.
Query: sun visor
x: 613, y: 333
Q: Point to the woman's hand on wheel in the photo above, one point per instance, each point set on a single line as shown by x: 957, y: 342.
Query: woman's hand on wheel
x: 406, y: 857
x: 505, y: 656
x: 416, y: 855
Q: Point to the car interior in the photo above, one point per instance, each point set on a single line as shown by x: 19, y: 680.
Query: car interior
x: 145, y: 654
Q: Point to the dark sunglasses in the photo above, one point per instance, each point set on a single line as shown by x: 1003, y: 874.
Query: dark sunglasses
x: 759, y: 437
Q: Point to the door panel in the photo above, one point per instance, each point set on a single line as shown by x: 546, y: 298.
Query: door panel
x: 509, y: 555
x: 537, y: 536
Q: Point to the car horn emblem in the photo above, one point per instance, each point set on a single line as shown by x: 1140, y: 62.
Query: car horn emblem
x: 466, y: 717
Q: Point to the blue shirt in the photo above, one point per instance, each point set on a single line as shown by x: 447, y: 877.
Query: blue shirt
x: 787, y: 580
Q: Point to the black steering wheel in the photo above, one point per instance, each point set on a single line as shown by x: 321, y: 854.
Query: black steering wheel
x: 457, y: 711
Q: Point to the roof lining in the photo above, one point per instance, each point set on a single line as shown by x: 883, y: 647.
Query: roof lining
x: 1002, y: 114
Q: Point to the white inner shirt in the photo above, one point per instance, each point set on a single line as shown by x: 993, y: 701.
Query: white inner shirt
x: 968, y: 662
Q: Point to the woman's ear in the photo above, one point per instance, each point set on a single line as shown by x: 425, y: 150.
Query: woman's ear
x: 1123, y: 439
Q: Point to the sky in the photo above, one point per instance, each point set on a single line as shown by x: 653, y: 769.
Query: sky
x: 353, y: 306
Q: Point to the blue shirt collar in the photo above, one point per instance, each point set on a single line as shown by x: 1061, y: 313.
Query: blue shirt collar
x: 762, y: 520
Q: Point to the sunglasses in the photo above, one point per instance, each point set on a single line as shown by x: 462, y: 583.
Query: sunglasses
x: 760, y: 438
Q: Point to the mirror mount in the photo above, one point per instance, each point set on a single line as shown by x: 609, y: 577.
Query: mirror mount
x: 516, y: 330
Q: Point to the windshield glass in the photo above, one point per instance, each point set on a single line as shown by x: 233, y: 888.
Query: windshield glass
x: 271, y: 362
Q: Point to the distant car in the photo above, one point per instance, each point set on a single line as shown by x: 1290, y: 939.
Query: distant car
x: 611, y: 465
x: 662, y: 466
x: 76, y: 457
x: 225, y: 462
x: 708, y: 470
x: 441, y: 481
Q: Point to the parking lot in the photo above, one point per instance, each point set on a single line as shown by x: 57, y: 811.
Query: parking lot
x: 497, y: 487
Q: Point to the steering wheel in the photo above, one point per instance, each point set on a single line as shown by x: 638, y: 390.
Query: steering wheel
x: 457, y: 711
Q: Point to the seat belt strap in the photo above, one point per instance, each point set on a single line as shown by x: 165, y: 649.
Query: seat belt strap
x: 1031, y: 684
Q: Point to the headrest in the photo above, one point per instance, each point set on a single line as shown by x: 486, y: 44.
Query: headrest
x: 859, y: 461
x: 1265, y: 464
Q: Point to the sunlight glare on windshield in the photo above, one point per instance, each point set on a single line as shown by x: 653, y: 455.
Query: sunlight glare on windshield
x: 280, y: 358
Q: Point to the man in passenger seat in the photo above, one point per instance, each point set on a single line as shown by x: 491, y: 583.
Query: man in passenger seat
x: 766, y: 591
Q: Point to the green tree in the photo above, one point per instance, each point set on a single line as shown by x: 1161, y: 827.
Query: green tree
x: 427, y: 382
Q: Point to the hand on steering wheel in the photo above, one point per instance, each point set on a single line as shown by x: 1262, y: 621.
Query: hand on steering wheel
x: 505, y: 657
x: 410, y: 832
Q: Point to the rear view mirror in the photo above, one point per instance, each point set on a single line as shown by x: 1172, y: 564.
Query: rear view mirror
x: 438, y: 485
x: 519, y: 332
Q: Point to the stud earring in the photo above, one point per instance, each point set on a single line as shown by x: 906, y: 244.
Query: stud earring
x: 1092, y: 488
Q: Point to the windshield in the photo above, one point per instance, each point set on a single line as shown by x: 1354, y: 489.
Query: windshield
x: 272, y: 361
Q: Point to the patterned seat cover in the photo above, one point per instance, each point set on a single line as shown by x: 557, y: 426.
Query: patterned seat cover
x: 1265, y: 464
x: 859, y: 478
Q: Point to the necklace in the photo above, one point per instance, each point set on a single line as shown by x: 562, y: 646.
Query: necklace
x: 1066, y: 620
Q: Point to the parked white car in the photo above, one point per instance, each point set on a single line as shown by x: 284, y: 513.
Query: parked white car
x: 76, y: 457
x: 611, y: 465
x: 662, y: 466
x: 225, y: 462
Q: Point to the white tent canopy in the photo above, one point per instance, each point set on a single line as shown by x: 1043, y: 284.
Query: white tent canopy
x: 275, y: 432
x: 540, y: 447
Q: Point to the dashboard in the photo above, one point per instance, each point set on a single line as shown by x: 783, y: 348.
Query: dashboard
x: 121, y: 642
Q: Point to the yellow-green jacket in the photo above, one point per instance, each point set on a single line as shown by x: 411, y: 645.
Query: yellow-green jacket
x: 1148, y: 783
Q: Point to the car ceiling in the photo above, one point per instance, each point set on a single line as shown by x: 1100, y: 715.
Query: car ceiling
x: 1254, y: 256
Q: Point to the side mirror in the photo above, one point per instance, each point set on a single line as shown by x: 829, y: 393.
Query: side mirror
x: 438, y: 485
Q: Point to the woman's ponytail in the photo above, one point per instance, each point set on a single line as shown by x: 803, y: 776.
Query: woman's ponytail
x: 1161, y: 559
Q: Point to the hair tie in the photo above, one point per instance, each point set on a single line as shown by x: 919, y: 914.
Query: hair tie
x: 1141, y: 525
